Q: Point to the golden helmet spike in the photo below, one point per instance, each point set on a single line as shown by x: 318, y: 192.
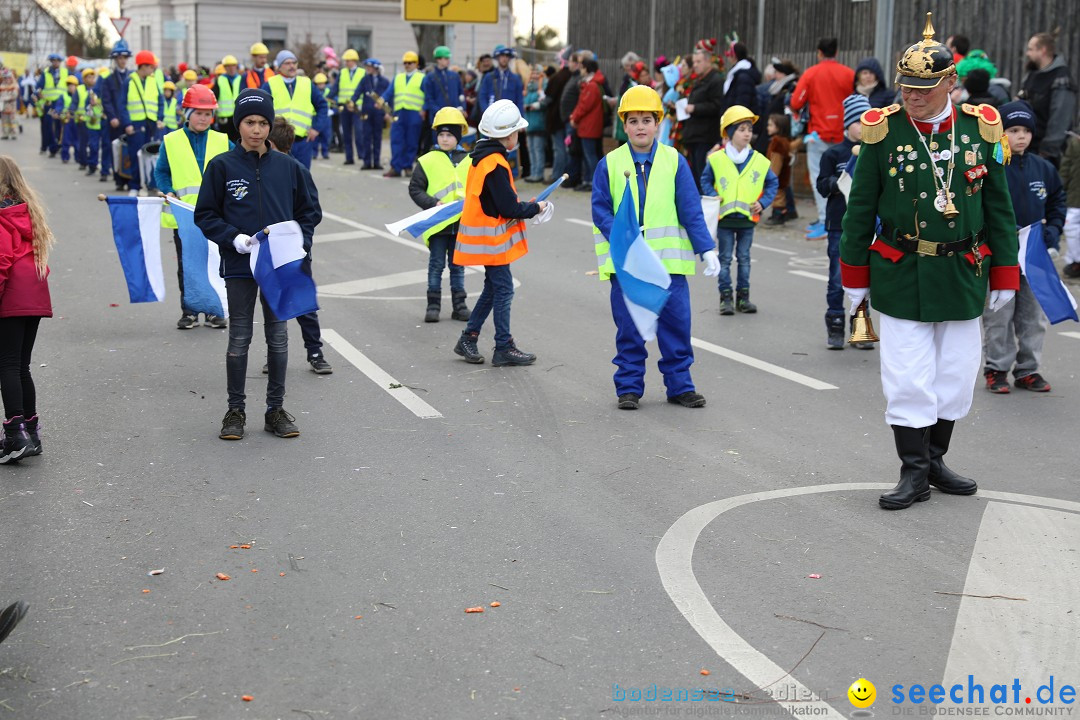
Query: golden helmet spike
x: 928, y: 31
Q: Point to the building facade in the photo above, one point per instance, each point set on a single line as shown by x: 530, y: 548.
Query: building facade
x: 27, y: 28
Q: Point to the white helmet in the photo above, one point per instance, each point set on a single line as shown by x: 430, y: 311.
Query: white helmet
x: 501, y: 119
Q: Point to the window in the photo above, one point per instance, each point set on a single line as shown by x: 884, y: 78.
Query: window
x: 144, y: 37
x: 275, y: 38
x: 360, y: 41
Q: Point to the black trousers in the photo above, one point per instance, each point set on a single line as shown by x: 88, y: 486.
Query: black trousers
x: 17, y: 336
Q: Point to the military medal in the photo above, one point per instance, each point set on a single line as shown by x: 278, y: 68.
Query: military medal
x: 940, y: 202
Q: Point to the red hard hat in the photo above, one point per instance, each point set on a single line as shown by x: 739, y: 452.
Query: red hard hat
x: 181, y: 67
x: 199, y: 97
x: 72, y: 61
x: 145, y: 57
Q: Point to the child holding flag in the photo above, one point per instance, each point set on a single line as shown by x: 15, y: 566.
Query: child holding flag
x: 439, y: 179
x: 664, y: 220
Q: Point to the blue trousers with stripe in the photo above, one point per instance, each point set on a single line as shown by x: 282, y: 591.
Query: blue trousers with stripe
x: 672, y: 335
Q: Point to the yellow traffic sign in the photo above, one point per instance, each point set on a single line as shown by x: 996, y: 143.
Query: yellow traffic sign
x: 450, y: 11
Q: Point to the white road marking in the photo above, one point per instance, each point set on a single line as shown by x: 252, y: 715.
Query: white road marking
x: 347, y: 235
x: 762, y: 365
x: 382, y: 282
x: 674, y: 560
x: 807, y: 274
x: 772, y: 249
x: 1071, y: 334
x: 380, y: 377
x: 586, y: 223
x: 421, y: 247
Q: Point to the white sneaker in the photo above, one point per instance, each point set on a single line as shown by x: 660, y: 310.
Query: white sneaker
x: 133, y: 193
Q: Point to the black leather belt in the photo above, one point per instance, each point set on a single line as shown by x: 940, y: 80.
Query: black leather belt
x: 929, y: 247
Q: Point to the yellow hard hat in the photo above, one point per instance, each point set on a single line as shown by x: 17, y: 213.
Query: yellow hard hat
x: 103, y: 73
x: 259, y: 49
x: 350, y: 54
x: 319, y: 78
x: 191, y: 75
x: 640, y: 98
x: 734, y: 115
x: 168, y: 85
x: 410, y: 57
x: 229, y: 60
x: 219, y: 70
x: 449, y: 116
x: 88, y: 72
x: 72, y: 80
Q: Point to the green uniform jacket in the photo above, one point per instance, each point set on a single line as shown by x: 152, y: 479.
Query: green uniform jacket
x: 894, y: 181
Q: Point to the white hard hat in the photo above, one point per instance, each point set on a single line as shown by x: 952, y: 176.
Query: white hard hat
x: 501, y: 119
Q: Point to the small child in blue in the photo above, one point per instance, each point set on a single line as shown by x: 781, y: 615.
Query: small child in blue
x: 746, y: 185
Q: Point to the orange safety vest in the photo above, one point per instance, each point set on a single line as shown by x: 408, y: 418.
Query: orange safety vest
x: 251, y: 78
x: 482, y: 239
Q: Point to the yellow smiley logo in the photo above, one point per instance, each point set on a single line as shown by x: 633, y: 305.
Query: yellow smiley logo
x: 862, y: 693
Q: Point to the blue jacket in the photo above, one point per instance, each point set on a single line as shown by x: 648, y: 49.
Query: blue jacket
x: 370, y: 84
x: 121, y: 103
x: 500, y: 84
x: 112, y: 94
x: 687, y: 200
x: 442, y: 88
x: 832, y: 165
x: 768, y: 193
x: 1037, y: 195
x: 162, y: 172
x: 321, y: 121
x: 243, y: 192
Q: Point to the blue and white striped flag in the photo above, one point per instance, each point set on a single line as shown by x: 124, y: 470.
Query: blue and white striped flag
x: 277, y: 262
x: 641, y: 274
x: 1035, y: 262
x: 204, y: 288
x: 418, y: 224
x: 136, y: 226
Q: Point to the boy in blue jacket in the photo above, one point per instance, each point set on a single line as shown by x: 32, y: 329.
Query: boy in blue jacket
x: 244, y: 191
x: 1037, y: 197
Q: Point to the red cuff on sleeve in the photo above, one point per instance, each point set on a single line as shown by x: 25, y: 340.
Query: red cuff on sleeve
x: 855, y: 276
x: 1005, y: 277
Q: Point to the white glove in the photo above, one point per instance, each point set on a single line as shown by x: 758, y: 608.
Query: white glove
x: 1000, y: 298
x: 712, y: 262
x: 855, y: 297
x: 1054, y: 252
x: 545, y: 214
x: 242, y: 243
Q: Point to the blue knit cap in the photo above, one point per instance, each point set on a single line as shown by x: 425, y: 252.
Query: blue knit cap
x: 254, y: 101
x: 854, y: 106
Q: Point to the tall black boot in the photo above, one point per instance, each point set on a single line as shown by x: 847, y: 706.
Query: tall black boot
x: 913, y: 447
x: 434, y: 304
x: 941, y: 476
x: 461, y: 310
x: 32, y: 425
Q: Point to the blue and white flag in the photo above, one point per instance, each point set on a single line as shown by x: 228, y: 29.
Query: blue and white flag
x: 418, y: 224
x: 204, y: 288
x: 136, y: 226
x: 277, y: 262
x: 641, y: 274
x: 1035, y: 262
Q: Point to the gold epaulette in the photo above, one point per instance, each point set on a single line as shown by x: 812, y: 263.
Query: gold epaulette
x: 875, y: 123
x: 990, y: 127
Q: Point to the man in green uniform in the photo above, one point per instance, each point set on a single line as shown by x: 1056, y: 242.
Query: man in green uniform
x: 932, y: 172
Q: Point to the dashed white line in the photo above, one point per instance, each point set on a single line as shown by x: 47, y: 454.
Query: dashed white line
x: 772, y: 249
x: 762, y: 365
x: 812, y: 276
x: 380, y: 377
x: 420, y: 247
x: 347, y: 235
x: 1075, y: 335
x: 586, y: 223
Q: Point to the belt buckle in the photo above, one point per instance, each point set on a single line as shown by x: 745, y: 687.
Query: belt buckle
x: 927, y: 247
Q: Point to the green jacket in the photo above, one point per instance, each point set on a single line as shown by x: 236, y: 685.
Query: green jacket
x: 894, y: 181
x: 1070, y: 172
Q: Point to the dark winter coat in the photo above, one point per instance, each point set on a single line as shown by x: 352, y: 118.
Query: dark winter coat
x: 707, y: 97
x: 882, y: 95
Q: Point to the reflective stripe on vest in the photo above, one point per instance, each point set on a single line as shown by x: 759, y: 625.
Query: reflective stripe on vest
x: 227, y: 92
x: 347, y: 85
x: 739, y: 191
x: 407, y: 92
x: 142, y: 98
x: 482, y: 239
x: 663, y: 233
x: 54, y: 88
x: 184, y: 170
x: 169, y: 116
x: 445, y: 182
x: 297, y: 109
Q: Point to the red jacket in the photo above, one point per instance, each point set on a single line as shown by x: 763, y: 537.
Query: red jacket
x: 22, y: 293
x: 588, y: 115
x: 825, y: 86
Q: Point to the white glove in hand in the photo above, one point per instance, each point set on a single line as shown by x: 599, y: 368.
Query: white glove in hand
x: 242, y: 243
x: 1000, y: 298
x: 545, y: 214
x: 712, y: 262
x: 855, y: 297
x: 1054, y: 252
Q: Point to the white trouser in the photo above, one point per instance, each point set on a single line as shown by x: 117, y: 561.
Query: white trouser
x: 1072, y: 235
x: 928, y: 370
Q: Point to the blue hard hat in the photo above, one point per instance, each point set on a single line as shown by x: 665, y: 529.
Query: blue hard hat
x: 54, y: 56
x: 120, y: 49
x: 373, y: 62
x: 503, y: 50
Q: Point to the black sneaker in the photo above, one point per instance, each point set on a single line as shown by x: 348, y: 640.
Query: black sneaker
x: 1033, y: 382
x: 466, y: 348
x: 186, y: 322
x: 319, y: 366
x: 32, y: 426
x: 511, y: 356
x: 281, y: 423
x: 997, y: 381
x: 629, y: 401
x: 232, y: 427
x: 216, y: 322
x: 688, y: 400
x: 1072, y: 270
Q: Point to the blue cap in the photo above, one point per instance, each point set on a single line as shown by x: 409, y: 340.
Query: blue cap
x: 254, y: 101
x: 282, y: 57
x: 120, y: 49
x: 1017, y: 112
x: 54, y: 56
x: 503, y: 50
x: 373, y: 62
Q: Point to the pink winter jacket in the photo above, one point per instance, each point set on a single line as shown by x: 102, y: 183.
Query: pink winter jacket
x: 22, y: 292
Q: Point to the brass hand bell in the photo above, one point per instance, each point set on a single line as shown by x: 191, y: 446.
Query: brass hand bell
x: 862, y: 330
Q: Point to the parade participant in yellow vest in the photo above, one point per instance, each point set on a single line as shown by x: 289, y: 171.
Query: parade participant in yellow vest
x: 341, y: 93
x: 83, y: 115
x: 405, y: 96
x: 90, y: 130
x: 322, y: 143
x: 226, y: 87
x: 298, y: 101
x: 140, y: 113
x: 439, y: 178
x: 179, y: 171
x: 64, y: 111
x: 741, y: 177
x: 170, y: 109
x: 491, y: 232
x: 50, y: 86
x: 673, y: 226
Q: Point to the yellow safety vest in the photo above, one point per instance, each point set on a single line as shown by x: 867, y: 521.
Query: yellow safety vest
x: 159, y: 80
x: 142, y: 98
x: 92, y: 111
x: 184, y: 168
x: 663, y: 231
x: 80, y: 103
x: 227, y: 92
x: 445, y: 182
x: 169, y: 116
x: 53, y: 89
x: 738, y: 191
x: 347, y: 85
x: 407, y: 92
x: 297, y: 109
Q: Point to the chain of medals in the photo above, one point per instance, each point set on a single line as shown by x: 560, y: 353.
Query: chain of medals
x: 943, y: 184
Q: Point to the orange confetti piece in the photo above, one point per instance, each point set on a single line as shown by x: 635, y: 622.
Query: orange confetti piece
x: 245, y: 547
x: 705, y: 672
x: 281, y: 574
x: 233, y: 547
x: 357, y: 617
x: 474, y: 610
x: 146, y: 591
x: 496, y: 604
x: 222, y: 576
x: 254, y: 570
x: 247, y: 698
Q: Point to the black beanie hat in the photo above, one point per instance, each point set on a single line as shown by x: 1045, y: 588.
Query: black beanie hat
x: 455, y: 130
x: 253, y: 101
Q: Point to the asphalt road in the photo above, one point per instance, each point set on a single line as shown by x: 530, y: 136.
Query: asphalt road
x: 375, y: 529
